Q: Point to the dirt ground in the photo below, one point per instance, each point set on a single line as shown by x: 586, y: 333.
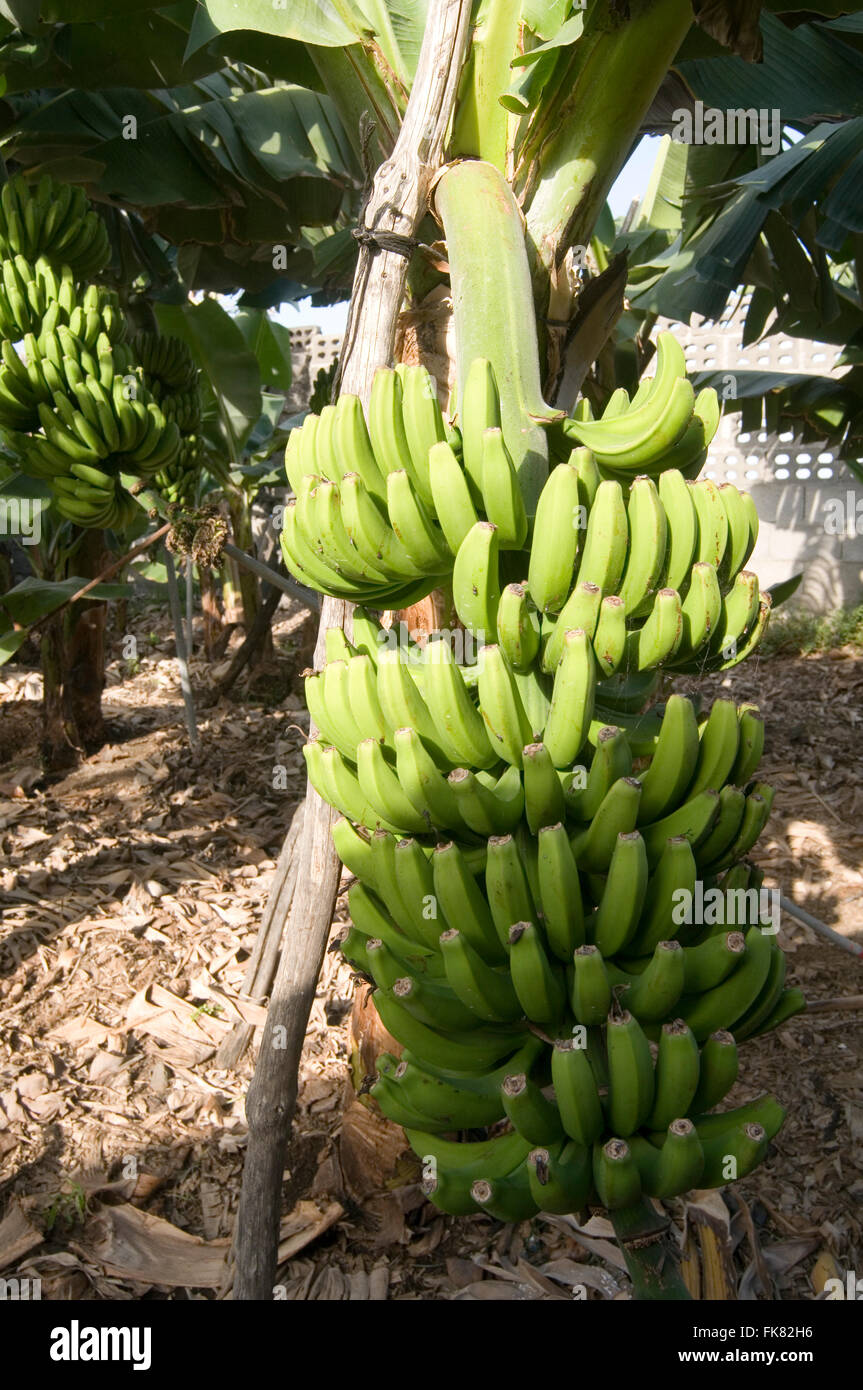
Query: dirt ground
x: 132, y: 890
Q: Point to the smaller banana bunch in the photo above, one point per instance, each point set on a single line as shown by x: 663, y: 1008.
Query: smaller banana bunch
x: 178, y: 482
x: 171, y: 376
x: 53, y: 220
x: 659, y: 580
x: 79, y: 405
x: 362, y: 526
x: 97, y: 420
x: 665, y: 425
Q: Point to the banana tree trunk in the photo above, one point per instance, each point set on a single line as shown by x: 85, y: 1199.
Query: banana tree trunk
x: 58, y: 750
x: 84, y: 658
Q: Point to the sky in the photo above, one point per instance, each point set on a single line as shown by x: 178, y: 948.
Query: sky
x: 630, y: 184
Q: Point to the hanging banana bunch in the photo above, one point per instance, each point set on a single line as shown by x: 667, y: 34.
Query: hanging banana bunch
x: 78, y: 403
x: 529, y: 845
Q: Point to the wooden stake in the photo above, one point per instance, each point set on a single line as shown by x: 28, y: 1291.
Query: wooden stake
x: 396, y: 204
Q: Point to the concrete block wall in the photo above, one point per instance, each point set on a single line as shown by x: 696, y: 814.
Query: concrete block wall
x: 792, y: 483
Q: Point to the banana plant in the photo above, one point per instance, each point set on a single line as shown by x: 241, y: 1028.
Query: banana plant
x: 531, y: 846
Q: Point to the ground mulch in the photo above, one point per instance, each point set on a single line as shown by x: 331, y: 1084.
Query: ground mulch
x: 132, y: 891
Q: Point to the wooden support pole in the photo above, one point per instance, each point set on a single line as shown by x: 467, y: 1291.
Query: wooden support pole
x: 397, y: 202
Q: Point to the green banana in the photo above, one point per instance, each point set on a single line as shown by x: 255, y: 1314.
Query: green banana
x: 676, y: 499
x: 481, y: 808
x: 631, y: 1084
x: 506, y: 885
x: 722, y: 1006
x: 462, y: 901
x: 353, y: 446
x: 623, y: 895
x: 501, y: 706
x: 603, y: 554
x: 476, y: 581
x: 502, y: 499
x: 664, y: 782
x: 487, y: 992
x: 473, y: 1051
x: 652, y: 995
x: 496, y: 1158
x: 739, y: 611
x: 552, y: 562
x: 659, y: 637
x: 791, y: 1002
x: 414, y: 878
x: 648, y: 536
x: 610, y: 637
x: 575, y: 1092
x: 453, y: 1101
x: 506, y: 1199
x: 677, y: 1075
x: 711, y: 962
x: 420, y: 537
x: 674, y: 1168
x: 433, y: 1003
x: 615, y: 1174
x: 529, y: 1112
x: 733, y: 1153
x: 452, y: 709
x: 590, y: 987
x: 617, y: 814
x: 611, y: 760
x: 718, y: 1072
x: 750, y: 747
x: 732, y: 806
x: 756, y: 814
x: 543, y: 793
x: 404, y: 708
x: 572, y: 700
x: 694, y: 819
x: 766, y: 1001
x: 480, y: 411
x: 581, y: 610
x: 386, y: 425
x: 560, y: 1182
x: 538, y: 983
x: 423, y: 424
x: 559, y: 892
x: 518, y: 630
x: 712, y: 522
x: 451, y: 497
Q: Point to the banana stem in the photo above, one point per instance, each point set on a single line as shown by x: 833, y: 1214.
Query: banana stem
x: 493, y: 307
x: 651, y: 1258
x: 481, y: 123
x: 613, y: 75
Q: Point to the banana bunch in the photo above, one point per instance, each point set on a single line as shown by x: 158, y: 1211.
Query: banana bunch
x: 35, y: 298
x: 362, y: 526
x: 476, y: 1001
x: 528, y: 843
x: 178, y: 481
x: 170, y: 375
x: 90, y: 497
x: 659, y: 579
x: 665, y: 425
x: 54, y: 220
